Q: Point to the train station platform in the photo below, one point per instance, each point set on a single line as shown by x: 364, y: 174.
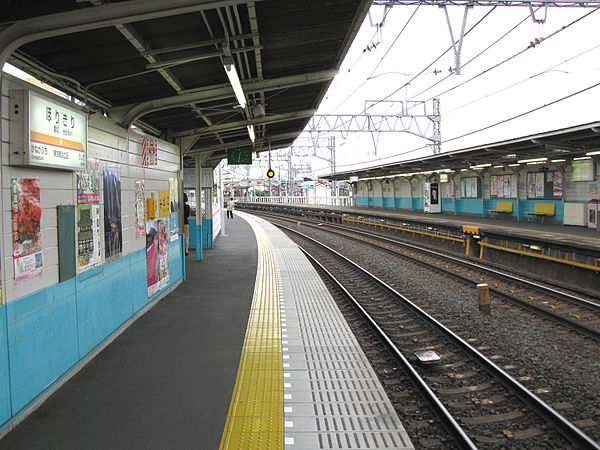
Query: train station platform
x: 250, y: 352
x: 552, y: 232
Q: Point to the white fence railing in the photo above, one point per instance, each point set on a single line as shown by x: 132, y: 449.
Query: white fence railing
x: 300, y: 200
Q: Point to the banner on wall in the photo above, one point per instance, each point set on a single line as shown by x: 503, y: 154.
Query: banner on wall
x: 539, y: 185
x: 140, y: 209
x: 152, y: 257
x: 149, y: 152
x: 113, y: 233
x: 157, y: 255
x: 88, y: 183
x: 164, y: 209
x: 174, y: 218
x: 557, y: 184
x: 531, y: 185
x: 26, y: 228
x: 163, y: 251
x: 88, y: 237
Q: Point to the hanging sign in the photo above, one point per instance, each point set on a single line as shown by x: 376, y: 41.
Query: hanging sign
x: 149, y: 151
x: 46, y: 133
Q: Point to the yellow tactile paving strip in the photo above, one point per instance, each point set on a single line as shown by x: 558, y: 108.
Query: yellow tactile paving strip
x: 255, y: 418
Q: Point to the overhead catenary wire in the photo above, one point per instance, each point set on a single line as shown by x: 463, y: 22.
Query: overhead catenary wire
x: 487, y: 127
x: 531, y: 45
x: 549, y: 69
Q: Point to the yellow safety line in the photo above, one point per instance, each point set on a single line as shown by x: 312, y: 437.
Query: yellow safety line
x: 255, y: 418
x: 536, y: 255
x: 407, y: 230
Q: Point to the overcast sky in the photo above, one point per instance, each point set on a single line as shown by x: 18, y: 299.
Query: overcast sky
x: 543, y: 74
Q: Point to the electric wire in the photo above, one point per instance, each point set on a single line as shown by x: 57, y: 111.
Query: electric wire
x: 487, y: 127
x: 549, y: 69
x: 370, y: 76
x: 531, y: 45
x: 474, y: 58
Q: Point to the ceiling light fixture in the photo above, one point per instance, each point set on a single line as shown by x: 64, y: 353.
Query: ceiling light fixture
x: 523, y: 161
x: 229, y: 67
x: 251, y: 132
x: 597, y: 152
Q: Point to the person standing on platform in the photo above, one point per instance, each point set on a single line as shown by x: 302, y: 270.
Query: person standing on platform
x: 186, y: 222
x: 230, y: 206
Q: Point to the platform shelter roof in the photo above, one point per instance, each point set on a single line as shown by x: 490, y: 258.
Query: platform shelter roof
x: 558, y: 146
x: 160, y: 64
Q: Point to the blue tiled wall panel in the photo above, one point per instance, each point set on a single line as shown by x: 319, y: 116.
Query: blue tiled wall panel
x: 376, y: 202
x: 469, y: 205
x: 43, y: 335
x: 418, y: 203
x: 388, y: 202
x: 362, y: 201
x: 207, y: 233
x: 4, y: 384
x: 192, y: 242
x: 402, y: 202
x: 42, y: 340
x: 448, y: 205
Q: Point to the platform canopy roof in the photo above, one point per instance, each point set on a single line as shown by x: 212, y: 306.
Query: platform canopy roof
x: 160, y: 64
x: 564, y: 144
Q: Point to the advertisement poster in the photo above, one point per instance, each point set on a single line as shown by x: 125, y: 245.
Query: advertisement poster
x: 113, y: 233
x: 174, y: 218
x: 531, y: 185
x: 157, y: 255
x: 539, y: 185
x: 152, y: 257
x: 163, y: 251
x: 514, y: 186
x: 164, y: 209
x: 507, y: 181
x: 593, y: 188
x: 494, y: 187
x: 26, y: 228
x: 140, y: 210
x: 149, y: 152
x: 500, y: 186
x: 88, y: 183
x: 88, y: 237
x: 557, y: 184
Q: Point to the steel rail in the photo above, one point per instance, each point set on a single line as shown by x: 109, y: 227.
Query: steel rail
x: 561, y: 424
x: 557, y: 318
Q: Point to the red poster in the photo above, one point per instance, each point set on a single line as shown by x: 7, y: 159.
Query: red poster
x: 149, y: 152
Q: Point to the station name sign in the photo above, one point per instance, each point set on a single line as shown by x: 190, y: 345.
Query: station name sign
x: 46, y: 133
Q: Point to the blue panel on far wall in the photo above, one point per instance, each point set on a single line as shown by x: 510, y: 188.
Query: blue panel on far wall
x: 4, y: 385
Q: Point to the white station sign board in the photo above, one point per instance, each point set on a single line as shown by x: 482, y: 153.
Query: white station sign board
x: 46, y: 133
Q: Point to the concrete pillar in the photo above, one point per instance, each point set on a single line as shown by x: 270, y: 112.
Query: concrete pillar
x: 198, y: 167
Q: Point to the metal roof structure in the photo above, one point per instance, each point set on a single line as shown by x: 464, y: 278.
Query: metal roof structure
x: 564, y: 144
x: 159, y: 64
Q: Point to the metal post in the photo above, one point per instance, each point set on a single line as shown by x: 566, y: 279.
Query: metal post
x: 198, y: 207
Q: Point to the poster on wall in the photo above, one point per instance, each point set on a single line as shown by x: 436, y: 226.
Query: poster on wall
x: 140, y: 209
x: 163, y: 204
x: 88, y: 183
x: 531, y: 185
x: 152, y: 257
x: 539, y: 185
x: 494, y: 187
x: 174, y: 218
x: 26, y: 229
x: 88, y: 237
x: 163, y: 251
x: 514, y: 186
x: 557, y: 184
x: 500, y: 186
x: 507, y: 185
x: 149, y: 152
x: 113, y: 233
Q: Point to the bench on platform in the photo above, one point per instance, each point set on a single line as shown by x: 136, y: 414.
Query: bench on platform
x: 502, y: 208
x: 542, y: 210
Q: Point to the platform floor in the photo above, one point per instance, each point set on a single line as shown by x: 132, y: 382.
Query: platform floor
x: 223, y: 361
x: 569, y: 235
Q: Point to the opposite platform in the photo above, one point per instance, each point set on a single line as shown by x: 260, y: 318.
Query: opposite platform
x: 332, y: 398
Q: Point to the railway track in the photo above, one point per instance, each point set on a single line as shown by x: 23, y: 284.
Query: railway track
x: 477, y: 401
x: 573, y: 311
